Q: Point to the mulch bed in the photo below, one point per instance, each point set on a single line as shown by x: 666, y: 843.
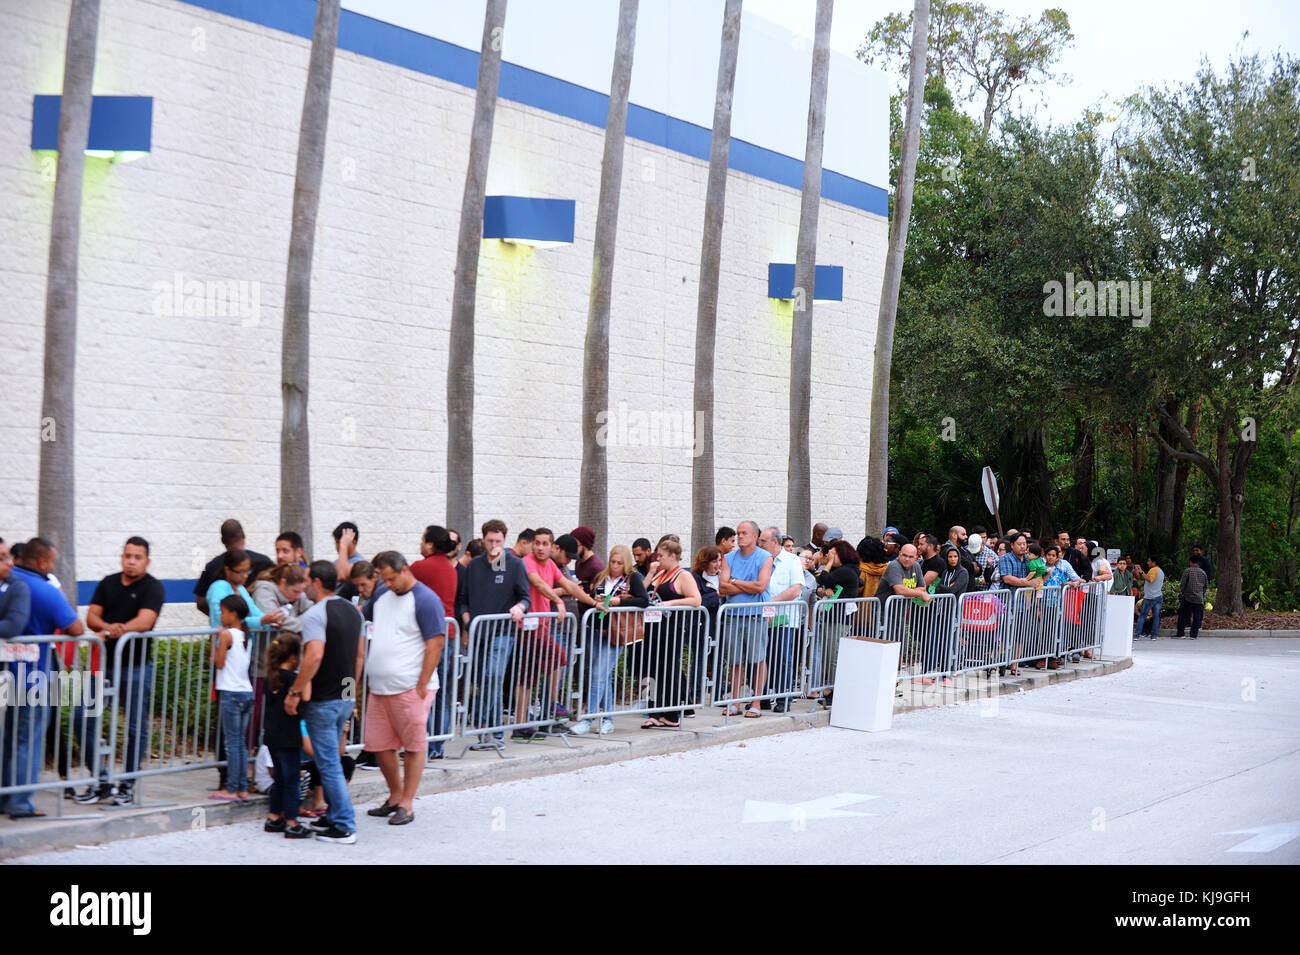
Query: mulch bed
x: 1253, y: 620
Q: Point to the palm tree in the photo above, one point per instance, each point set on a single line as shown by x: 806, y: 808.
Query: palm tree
x: 878, y: 456
x: 706, y: 321
x: 798, y: 494
x: 56, y: 506
x: 295, y: 336
x: 593, y: 494
x: 460, y: 351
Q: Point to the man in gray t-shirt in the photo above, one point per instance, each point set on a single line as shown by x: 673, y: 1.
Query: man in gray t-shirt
x: 1152, y: 597
x: 1191, y: 597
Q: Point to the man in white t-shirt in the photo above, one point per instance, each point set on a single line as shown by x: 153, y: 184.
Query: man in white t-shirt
x: 410, y: 627
x: 786, y: 583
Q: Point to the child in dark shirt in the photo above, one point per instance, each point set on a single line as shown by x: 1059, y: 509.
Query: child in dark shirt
x: 283, y: 737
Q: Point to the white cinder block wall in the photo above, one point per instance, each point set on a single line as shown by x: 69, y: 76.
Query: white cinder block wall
x: 178, y: 416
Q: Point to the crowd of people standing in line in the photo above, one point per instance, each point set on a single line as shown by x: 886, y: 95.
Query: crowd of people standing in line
x: 324, y: 614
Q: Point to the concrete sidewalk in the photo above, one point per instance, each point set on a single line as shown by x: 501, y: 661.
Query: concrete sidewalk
x: 188, y: 807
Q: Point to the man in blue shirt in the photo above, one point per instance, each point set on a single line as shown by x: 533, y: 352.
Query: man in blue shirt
x: 22, y: 744
x: 15, y: 598
x: 743, y: 577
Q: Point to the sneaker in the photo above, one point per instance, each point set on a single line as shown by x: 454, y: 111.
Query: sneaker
x: 320, y: 824
x: 274, y: 825
x: 366, y: 760
x: 582, y: 727
x: 124, y: 796
x: 524, y: 735
x: 561, y: 712
x: 93, y: 794
x: 606, y: 726
x: 337, y: 836
x: 299, y: 831
x: 780, y: 706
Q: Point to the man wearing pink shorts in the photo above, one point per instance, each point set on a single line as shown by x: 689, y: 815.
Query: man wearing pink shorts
x: 410, y: 628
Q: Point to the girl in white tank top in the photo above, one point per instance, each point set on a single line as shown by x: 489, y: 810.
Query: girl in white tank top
x: 230, y: 659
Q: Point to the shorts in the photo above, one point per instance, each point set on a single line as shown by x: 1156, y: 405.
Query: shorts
x: 746, y: 639
x: 399, y: 721
x: 536, y: 652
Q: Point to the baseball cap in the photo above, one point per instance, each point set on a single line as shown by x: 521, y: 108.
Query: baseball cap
x: 834, y: 534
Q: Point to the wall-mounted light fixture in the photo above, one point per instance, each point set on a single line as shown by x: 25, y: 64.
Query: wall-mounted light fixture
x: 828, y: 282
x: 524, y: 220
x: 121, y: 127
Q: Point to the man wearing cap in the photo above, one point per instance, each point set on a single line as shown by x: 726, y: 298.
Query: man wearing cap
x: 589, y: 564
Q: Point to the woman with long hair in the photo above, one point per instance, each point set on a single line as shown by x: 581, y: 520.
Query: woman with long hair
x: 618, y: 585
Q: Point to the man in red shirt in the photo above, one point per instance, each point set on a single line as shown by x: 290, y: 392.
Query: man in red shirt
x: 537, y: 651
x: 437, y: 572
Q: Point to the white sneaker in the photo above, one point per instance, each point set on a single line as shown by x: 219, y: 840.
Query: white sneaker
x: 581, y: 727
x: 606, y: 726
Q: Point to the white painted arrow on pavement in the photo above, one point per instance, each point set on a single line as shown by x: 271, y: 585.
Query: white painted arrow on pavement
x: 1265, y: 838
x: 827, y: 807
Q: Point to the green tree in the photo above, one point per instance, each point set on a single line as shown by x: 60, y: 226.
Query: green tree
x: 1212, y: 189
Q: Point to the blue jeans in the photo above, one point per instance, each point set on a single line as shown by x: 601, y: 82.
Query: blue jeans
x: 133, y: 697
x: 491, y: 670
x: 236, y: 710
x: 1149, y: 605
x: 22, y: 749
x: 440, y: 715
x: 285, y: 791
x: 600, y: 692
x: 325, y: 722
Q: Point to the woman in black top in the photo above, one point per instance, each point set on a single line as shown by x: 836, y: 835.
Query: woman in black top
x: 954, y: 579
x: 839, y: 581
x: 667, y: 638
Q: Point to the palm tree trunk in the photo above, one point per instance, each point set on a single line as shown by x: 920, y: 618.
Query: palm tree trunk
x: 295, y: 336
x: 878, y: 457
x: 798, y: 494
x: 460, y: 352
x: 593, y: 493
x: 706, y: 321
x: 56, y: 507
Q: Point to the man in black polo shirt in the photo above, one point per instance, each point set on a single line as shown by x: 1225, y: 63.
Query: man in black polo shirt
x: 123, y: 603
x: 232, y: 538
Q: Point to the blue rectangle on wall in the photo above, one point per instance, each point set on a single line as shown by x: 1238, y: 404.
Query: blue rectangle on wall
x: 828, y: 282
x: 117, y: 123
x: 527, y: 219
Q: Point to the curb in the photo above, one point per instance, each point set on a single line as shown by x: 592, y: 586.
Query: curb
x: 1292, y: 634
x: 448, y: 774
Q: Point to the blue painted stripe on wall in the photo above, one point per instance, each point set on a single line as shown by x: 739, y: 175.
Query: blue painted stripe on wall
x: 178, y: 591
x: 447, y: 61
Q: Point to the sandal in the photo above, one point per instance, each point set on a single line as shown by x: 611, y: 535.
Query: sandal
x: 665, y: 724
x: 754, y: 712
x: 732, y: 710
x: 651, y: 723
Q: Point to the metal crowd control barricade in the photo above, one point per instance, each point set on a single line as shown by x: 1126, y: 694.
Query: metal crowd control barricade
x: 1035, y: 622
x: 167, y: 718
x: 758, y: 647
x: 515, y: 674
x: 52, y: 711
x: 831, y: 620
x: 1083, y: 619
x: 925, y: 632
x: 642, y: 660
x: 984, y: 630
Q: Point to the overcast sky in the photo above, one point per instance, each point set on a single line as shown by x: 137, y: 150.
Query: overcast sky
x: 1119, y: 45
